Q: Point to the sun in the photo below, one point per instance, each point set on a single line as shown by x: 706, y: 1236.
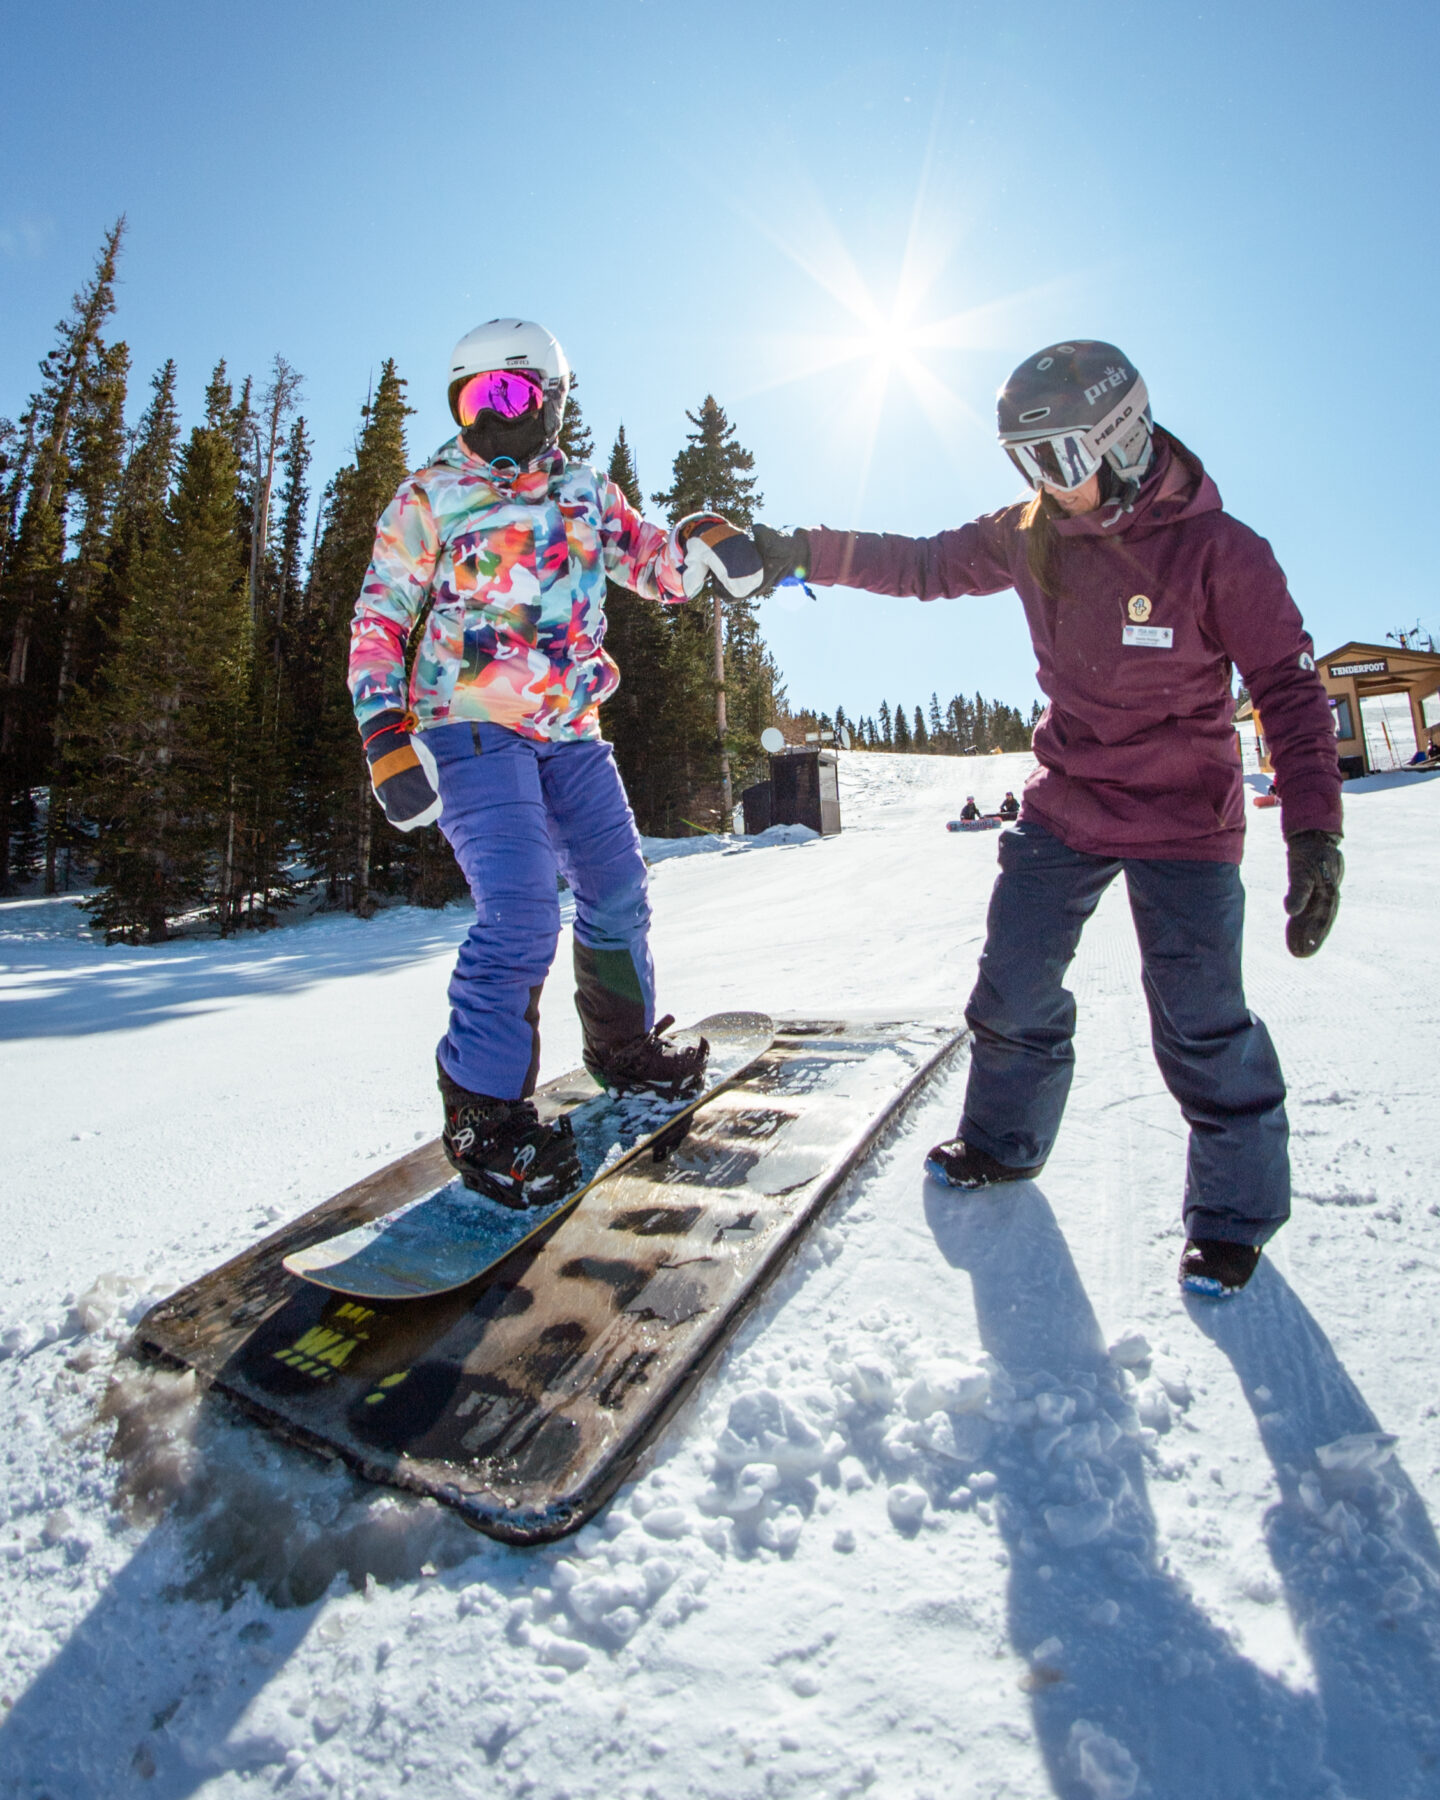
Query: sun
x: 896, y: 328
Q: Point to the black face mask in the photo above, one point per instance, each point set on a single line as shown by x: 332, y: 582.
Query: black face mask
x: 522, y: 439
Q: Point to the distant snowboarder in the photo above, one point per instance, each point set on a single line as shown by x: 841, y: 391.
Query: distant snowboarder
x: 1009, y: 807
x: 969, y: 810
x: 502, y: 548
x: 1140, y: 593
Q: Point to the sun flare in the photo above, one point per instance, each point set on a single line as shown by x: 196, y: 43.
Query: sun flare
x: 893, y: 327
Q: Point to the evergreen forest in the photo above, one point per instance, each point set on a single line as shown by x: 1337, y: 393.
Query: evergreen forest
x: 175, y: 728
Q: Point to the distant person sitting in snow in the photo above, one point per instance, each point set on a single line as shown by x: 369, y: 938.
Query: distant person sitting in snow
x: 1141, y: 592
x: 497, y: 554
x: 1429, y: 753
x: 969, y: 810
x: 1009, y: 806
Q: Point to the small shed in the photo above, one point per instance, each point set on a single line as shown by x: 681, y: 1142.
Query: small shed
x: 805, y: 790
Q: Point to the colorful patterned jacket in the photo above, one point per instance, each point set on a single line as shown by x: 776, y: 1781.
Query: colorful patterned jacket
x: 515, y: 573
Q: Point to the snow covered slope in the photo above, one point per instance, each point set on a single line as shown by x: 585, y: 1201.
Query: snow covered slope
x: 975, y: 1505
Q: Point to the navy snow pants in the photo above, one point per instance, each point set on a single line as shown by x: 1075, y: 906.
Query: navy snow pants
x: 1214, y: 1054
x: 517, y: 811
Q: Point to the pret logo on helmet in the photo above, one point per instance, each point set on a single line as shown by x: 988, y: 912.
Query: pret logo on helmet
x: 1113, y: 378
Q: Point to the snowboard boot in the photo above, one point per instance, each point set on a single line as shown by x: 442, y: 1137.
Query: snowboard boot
x: 1216, y: 1269
x: 649, y: 1064
x: 500, y: 1149
x: 961, y: 1165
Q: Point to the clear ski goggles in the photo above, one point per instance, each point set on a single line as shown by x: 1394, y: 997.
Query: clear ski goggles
x: 509, y: 392
x: 1065, y: 461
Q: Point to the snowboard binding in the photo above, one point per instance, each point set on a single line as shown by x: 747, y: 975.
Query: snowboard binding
x: 652, y: 1064
x: 501, y: 1149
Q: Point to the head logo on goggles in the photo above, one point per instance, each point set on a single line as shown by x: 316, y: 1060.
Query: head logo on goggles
x: 508, y: 392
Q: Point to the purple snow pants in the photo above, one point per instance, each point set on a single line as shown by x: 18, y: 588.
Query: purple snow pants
x: 517, y: 812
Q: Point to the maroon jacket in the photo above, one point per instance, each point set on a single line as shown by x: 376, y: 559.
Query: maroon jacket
x: 1137, y: 747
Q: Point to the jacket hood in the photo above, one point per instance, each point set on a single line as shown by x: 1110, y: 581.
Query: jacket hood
x: 1176, y: 488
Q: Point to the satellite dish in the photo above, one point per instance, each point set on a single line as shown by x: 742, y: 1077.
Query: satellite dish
x: 844, y: 735
x: 772, y: 740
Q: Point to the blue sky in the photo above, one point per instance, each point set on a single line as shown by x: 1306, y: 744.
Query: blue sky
x: 847, y: 223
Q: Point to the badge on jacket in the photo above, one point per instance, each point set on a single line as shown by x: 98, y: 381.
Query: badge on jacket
x: 1139, y: 608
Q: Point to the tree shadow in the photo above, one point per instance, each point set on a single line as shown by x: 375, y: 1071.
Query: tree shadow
x: 71, y: 987
x: 1135, y: 1690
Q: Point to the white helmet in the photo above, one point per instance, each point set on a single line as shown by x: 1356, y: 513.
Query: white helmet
x: 513, y: 344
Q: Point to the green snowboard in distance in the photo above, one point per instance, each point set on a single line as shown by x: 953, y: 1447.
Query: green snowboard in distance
x: 451, y: 1236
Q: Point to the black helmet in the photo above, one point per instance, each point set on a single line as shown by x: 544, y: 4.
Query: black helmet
x: 1068, y: 407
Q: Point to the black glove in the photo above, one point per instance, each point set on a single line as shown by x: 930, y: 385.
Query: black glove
x: 784, y: 553
x: 402, y: 771
x: 1316, y: 870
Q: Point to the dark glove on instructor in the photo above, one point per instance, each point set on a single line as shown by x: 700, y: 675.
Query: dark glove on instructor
x: 784, y: 553
x: 1316, y: 870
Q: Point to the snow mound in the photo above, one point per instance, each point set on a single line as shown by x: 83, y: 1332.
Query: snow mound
x: 1106, y: 1768
x: 667, y: 849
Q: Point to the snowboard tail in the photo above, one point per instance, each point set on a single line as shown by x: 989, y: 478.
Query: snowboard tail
x: 523, y: 1400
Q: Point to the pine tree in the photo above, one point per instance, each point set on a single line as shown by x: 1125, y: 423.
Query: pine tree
x: 96, y: 479
x: 623, y: 472
x: 32, y: 555
x: 259, y: 833
x: 922, y: 736
x: 886, y: 741
x: 576, y: 439
x: 342, y: 835
x: 902, y: 729
x: 290, y: 540
x: 168, y: 724
x: 712, y: 473
x: 937, y: 726
x: 980, y: 718
x: 640, y: 638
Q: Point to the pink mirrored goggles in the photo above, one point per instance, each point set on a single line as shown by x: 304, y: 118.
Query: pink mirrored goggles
x: 508, y: 392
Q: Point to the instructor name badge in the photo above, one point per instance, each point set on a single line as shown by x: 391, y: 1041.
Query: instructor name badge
x: 1156, y: 637
x: 1139, y: 608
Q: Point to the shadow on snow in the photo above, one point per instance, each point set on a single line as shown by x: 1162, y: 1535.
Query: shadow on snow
x: 81, y: 988
x: 162, y: 1687
x: 1157, y: 1700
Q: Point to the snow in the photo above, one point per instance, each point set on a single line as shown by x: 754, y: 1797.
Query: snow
x: 975, y: 1503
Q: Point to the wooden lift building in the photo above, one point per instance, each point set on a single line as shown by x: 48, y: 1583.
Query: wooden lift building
x: 1356, y: 672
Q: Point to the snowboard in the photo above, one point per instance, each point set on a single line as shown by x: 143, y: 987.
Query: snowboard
x: 523, y: 1400
x: 986, y: 822
x: 1266, y: 800
x: 451, y: 1236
